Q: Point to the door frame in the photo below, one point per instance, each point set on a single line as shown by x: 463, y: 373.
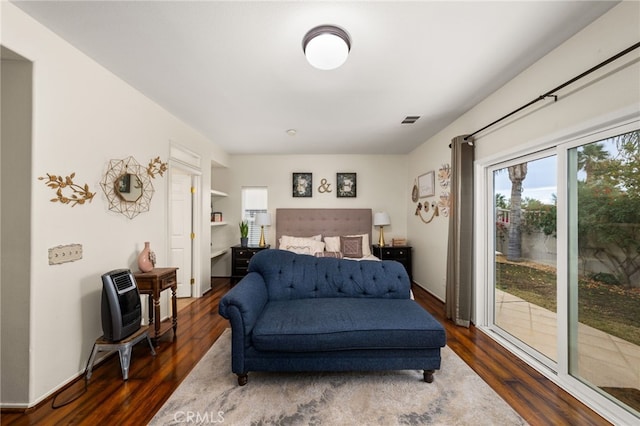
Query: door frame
x: 561, y: 142
x: 188, y: 162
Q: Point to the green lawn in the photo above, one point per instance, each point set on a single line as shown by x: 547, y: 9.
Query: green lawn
x: 609, y: 308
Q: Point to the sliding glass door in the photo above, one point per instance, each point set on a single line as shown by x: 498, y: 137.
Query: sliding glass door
x: 564, y: 264
x: 604, y: 266
x: 524, y: 195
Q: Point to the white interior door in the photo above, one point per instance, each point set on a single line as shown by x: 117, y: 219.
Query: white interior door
x: 181, y: 229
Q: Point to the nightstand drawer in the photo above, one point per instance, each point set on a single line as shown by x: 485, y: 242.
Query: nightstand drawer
x: 245, y: 253
x: 241, y: 262
x: 395, y: 253
x: 240, y: 271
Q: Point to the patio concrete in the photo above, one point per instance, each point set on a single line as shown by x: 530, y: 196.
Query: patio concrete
x: 603, y: 360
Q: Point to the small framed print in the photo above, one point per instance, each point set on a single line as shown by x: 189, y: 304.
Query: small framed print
x: 346, y: 185
x: 302, y: 185
x: 427, y: 184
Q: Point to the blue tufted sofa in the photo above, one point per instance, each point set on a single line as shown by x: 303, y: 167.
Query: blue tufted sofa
x: 295, y: 312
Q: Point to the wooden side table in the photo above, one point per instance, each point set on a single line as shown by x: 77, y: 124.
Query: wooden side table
x: 153, y: 283
x: 400, y: 254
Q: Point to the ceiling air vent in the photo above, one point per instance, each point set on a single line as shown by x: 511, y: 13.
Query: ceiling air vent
x: 410, y: 119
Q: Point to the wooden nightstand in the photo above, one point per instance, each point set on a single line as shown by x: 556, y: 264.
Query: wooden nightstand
x: 240, y: 257
x: 401, y: 254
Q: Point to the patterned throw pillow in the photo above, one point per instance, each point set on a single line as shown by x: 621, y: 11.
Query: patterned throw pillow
x: 334, y: 254
x: 366, y: 247
x: 333, y: 244
x: 351, y: 247
x: 287, y: 240
x: 302, y: 245
x: 298, y: 249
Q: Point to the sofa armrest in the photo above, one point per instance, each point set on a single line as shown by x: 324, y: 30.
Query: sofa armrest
x: 242, y: 305
x: 244, y: 302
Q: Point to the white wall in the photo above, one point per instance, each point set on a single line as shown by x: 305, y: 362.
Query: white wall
x: 429, y: 239
x: 380, y: 186
x: 617, y: 87
x: 85, y: 116
x: 16, y: 126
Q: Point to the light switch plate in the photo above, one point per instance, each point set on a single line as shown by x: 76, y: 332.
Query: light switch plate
x: 66, y: 253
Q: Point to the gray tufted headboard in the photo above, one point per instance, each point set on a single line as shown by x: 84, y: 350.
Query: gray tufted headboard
x: 328, y: 222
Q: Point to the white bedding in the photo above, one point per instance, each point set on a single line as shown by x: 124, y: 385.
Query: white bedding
x: 369, y: 257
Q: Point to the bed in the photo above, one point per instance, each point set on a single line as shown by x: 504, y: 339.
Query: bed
x: 307, y: 223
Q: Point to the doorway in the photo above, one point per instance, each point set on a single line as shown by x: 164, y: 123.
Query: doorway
x: 181, y: 229
x: 183, y: 219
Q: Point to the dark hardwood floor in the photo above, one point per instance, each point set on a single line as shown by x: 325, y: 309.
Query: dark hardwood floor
x: 153, y: 379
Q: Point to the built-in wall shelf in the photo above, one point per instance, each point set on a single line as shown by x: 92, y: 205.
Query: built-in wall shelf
x: 217, y: 193
x: 216, y: 240
x: 218, y: 252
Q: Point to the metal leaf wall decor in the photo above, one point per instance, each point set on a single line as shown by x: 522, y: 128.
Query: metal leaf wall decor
x: 79, y: 193
x: 156, y: 166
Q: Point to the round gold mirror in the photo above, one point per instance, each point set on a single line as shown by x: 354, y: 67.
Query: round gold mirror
x: 128, y: 187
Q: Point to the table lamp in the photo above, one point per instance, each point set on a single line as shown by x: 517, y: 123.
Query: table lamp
x: 262, y: 220
x: 381, y: 219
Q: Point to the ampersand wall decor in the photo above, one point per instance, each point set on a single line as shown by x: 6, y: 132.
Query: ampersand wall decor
x: 324, y: 186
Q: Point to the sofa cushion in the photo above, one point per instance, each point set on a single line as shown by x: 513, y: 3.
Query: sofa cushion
x: 333, y: 324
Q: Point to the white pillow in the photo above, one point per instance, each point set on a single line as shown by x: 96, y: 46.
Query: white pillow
x: 333, y: 243
x: 301, y: 245
x: 287, y: 237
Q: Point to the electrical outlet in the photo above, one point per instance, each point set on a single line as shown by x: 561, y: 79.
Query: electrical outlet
x: 63, y: 254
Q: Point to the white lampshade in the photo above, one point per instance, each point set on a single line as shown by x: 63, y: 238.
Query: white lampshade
x: 263, y: 219
x: 381, y: 219
x: 326, y: 47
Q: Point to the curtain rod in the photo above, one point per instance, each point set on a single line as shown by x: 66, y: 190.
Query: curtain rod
x: 550, y: 93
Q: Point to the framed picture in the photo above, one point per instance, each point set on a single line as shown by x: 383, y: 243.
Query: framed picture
x: 427, y: 184
x: 302, y: 185
x: 346, y: 185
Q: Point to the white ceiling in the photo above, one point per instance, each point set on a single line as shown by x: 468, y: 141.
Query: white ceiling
x: 236, y: 72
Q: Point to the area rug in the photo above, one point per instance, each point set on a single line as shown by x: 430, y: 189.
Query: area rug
x: 210, y: 395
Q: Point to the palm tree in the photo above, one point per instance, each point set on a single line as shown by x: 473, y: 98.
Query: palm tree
x: 501, y: 201
x: 517, y: 174
x: 588, y: 157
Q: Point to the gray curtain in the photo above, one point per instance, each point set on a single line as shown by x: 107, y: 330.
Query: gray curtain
x: 459, y: 294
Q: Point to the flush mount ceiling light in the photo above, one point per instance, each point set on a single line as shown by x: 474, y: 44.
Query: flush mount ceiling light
x: 326, y: 46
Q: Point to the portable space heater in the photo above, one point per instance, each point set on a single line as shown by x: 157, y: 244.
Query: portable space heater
x: 121, y: 309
